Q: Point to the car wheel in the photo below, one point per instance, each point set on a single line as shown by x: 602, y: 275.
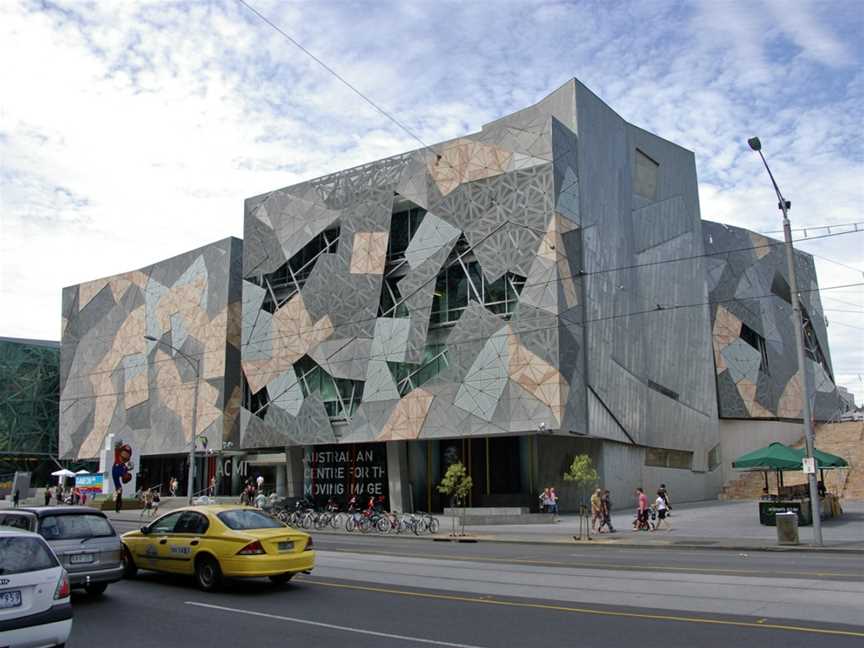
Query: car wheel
x: 96, y: 589
x: 130, y: 569
x: 280, y: 579
x: 208, y: 574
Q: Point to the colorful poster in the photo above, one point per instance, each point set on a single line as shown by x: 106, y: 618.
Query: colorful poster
x: 89, y: 483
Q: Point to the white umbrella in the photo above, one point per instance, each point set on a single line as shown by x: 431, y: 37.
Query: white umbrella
x: 83, y: 472
x: 64, y: 472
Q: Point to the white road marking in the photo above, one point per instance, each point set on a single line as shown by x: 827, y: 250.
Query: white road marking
x: 320, y: 624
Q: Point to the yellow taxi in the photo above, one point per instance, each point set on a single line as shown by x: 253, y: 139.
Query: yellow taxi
x: 216, y: 541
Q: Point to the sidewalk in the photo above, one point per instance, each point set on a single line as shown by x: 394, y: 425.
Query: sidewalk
x: 711, y: 524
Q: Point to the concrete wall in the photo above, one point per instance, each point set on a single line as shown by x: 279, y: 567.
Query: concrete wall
x: 739, y: 436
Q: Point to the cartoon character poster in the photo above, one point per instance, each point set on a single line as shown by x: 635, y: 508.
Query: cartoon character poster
x: 121, y: 470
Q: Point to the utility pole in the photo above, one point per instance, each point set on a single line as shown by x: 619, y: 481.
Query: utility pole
x: 196, y: 367
x: 798, y: 326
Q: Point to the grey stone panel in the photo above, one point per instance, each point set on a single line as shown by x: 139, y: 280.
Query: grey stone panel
x: 286, y: 393
x: 344, y: 358
x: 661, y: 222
x: 566, y: 175
x: 486, y: 378
x: 433, y: 234
x: 357, y: 185
x: 391, y: 339
x: 467, y: 338
x: 414, y: 182
x: 350, y: 300
x: 537, y: 330
x: 742, y: 360
x: 262, y: 253
x: 603, y: 424
x: 380, y: 385
x: 731, y: 403
x: 313, y: 424
x: 258, y: 434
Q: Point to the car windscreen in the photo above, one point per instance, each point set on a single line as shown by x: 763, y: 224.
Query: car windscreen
x: 69, y: 527
x: 20, y: 555
x: 243, y: 519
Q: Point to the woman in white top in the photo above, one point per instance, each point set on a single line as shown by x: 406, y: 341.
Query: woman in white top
x: 660, y: 507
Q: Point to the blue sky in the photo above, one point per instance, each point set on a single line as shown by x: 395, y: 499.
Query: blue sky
x: 132, y: 131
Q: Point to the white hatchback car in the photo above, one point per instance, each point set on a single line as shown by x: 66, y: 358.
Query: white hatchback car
x: 35, y: 608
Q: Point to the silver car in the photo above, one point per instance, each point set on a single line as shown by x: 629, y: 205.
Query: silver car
x: 86, y: 544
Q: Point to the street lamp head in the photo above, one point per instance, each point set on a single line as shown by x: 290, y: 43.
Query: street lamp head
x: 755, y: 144
x: 151, y: 338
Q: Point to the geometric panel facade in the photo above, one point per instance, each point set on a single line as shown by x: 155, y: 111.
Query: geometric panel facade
x: 114, y: 381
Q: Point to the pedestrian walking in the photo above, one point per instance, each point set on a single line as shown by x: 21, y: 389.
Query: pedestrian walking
x: 606, y: 504
x: 118, y: 500
x: 596, y: 510
x: 47, y: 497
x: 147, y: 501
x: 543, y: 498
x: 660, y: 508
x: 156, y: 499
x: 642, y: 512
x: 260, y: 482
x: 553, y: 502
x: 664, y: 493
x: 172, y: 486
x: 15, y: 497
x: 212, y: 489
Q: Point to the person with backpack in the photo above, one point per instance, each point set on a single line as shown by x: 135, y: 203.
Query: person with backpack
x: 606, y: 504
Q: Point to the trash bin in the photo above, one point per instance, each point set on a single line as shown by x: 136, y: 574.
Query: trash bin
x: 787, y: 528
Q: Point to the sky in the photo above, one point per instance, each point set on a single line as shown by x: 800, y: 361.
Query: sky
x: 133, y: 131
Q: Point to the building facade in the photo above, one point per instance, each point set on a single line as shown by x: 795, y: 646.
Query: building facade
x: 29, y: 407
x: 115, y: 381
x: 508, y: 299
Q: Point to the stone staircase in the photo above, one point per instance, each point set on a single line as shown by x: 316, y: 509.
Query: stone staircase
x: 843, y: 439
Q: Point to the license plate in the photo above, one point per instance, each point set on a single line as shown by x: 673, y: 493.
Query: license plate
x: 285, y: 546
x: 77, y: 559
x: 10, y: 599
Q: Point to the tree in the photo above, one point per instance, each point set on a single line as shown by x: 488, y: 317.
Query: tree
x: 457, y: 483
x: 582, y: 472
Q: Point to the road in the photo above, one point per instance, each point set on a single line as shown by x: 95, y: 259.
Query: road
x: 369, y: 591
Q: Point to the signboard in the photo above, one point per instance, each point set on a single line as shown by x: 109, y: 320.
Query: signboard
x: 809, y: 465
x: 89, y: 483
x: 341, y: 471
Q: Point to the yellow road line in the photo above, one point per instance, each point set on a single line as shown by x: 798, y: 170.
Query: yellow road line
x: 577, y: 610
x: 589, y: 565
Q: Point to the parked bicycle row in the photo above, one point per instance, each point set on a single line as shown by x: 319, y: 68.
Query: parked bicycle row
x: 353, y: 516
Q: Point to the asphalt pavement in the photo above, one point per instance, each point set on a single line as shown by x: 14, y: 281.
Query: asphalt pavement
x: 369, y: 591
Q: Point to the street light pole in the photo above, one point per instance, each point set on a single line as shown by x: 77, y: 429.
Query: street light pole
x: 194, y: 363
x: 798, y: 326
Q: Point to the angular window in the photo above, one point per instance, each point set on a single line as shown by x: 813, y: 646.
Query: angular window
x: 780, y: 287
x: 463, y: 282
x: 811, y: 344
x: 391, y: 304
x: 403, y: 225
x: 714, y: 458
x: 645, y: 177
x: 290, y: 277
x: 756, y: 341
x: 341, y: 397
x: 410, y: 376
x: 661, y: 458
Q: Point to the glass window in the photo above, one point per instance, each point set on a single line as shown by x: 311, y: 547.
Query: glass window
x: 21, y: 555
x: 457, y: 292
x: 243, y: 519
x: 662, y: 458
x: 66, y: 527
x: 166, y: 523
x: 192, y: 522
x: 18, y: 521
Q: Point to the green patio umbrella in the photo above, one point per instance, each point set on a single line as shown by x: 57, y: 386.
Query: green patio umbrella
x: 824, y: 460
x: 775, y: 456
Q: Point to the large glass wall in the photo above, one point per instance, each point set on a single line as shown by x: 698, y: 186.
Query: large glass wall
x: 29, y: 404
x: 410, y: 376
x: 340, y: 396
x: 463, y: 282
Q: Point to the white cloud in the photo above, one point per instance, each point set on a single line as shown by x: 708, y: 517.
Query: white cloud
x: 130, y: 132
